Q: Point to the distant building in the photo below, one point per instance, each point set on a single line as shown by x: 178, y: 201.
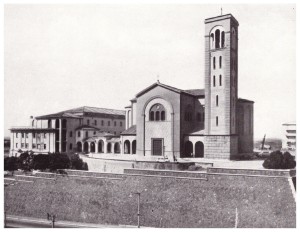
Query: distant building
x: 73, y: 130
x: 289, y: 136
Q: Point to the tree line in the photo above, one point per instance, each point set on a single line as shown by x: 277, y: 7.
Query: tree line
x: 28, y: 161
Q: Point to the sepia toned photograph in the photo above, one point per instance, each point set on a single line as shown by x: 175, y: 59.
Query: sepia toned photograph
x: 149, y: 115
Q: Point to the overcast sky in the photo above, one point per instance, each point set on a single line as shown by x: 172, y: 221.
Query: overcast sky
x: 59, y: 57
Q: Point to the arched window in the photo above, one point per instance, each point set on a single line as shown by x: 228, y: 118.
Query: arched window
x: 217, y: 100
x: 223, y: 39
x: 212, y: 40
x: 163, y: 116
x: 220, y: 80
x: 217, y: 38
x: 217, y: 121
x: 157, y: 113
x: 220, y: 62
x: 214, y: 80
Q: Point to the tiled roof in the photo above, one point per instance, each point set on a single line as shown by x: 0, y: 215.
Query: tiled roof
x: 31, y: 129
x: 192, y: 92
x: 84, y: 110
x: 130, y: 131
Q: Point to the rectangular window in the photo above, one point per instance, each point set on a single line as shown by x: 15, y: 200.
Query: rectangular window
x: 217, y: 121
x: 217, y: 100
x: 121, y: 124
x: 214, y: 62
x: 16, y: 145
x: 88, y: 122
x: 45, y: 146
x: 102, y: 123
x: 16, y: 135
x: 220, y: 80
x: 157, y: 147
x: 220, y: 61
x: 78, y: 133
x: 71, y: 134
x: 115, y: 123
x: 71, y: 146
x: 95, y: 122
x: 214, y: 80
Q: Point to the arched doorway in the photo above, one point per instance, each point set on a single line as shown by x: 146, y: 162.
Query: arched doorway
x: 100, y: 146
x: 117, y: 148
x: 92, y: 147
x: 86, y: 147
x: 199, y: 149
x: 109, y: 148
x: 126, y: 147
x: 79, y: 147
x: 188, y: 149
x: 134, y: 147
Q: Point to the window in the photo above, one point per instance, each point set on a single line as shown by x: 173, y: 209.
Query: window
x: 223, y: 39
x: 121, y: 124
x: 214, y: 81
x: 22, y: 135
x: 157, y: 113
x: 44, y: 135
x: 115, y: 123
x: 220, y: 62
x: 217, y: 100
x: 22, y: 145
x: 220, y: 80
x: 71, y: 134
x: 16, y: 145
x: 217, y: 121
x: 33, y: 134
x: 71, y: 146
x: 16, y: 135
x: 45, y: 146
x: 214, y: 62
x: 217, y: 38
x: 108, y: 123
x: 34, y: 146
x: 26, y: 145
x: 94, y: 132
x: 102, y: 123
x: 95, y: 122
x: 86, y: 134
x: 88, y: 122
x: 78, y: 134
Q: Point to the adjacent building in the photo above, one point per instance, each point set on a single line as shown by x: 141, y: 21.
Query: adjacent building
x: 289, y: 136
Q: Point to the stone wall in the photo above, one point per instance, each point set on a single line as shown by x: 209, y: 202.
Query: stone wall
x: 260, y: 200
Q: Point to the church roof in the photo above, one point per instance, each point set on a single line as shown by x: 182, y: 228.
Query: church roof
x: 245, y: 100
x: 191, y: 92
x: 84, y: 111
x: 130, y: 131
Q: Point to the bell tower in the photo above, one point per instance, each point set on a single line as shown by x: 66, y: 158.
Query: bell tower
x: 221, y: 81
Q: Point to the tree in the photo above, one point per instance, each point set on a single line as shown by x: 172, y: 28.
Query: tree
x: 41, y: 162
x: 277, y: 160
x: 26, y: 161
x: 11, y: 164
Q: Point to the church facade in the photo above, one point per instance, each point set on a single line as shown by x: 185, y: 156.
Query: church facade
x: 211, y: 122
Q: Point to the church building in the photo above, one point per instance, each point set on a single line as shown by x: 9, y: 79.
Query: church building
x: 211, y: 122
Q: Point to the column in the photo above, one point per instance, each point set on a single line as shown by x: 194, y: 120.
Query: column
x: 113, y: 148
x: 104, y: 147
x: 96, y: 146
x: 60, y: 135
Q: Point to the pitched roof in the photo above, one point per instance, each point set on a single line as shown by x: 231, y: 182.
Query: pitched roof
x: 191, y: 92
x: 87, y: 127
x: 84, y: 111
x: 130, y: 131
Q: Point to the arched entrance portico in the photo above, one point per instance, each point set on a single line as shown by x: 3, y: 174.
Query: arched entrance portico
x: 199, y: 149
x: 100, y: 146
x: 86, y: 147
x: 126, y: 147
x: 92, y: 147
x: 188, y: 149
x: 117, y: 148
x: 134, y: 147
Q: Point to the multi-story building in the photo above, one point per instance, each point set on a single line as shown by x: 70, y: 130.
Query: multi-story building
x: 67, y: 131
x: 289, y: 136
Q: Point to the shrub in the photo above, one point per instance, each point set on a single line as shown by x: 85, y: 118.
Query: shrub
x: 58, y: 161
x: 40, y: 162
x: 277, y: 160
x: 77, y: 163
x: 11, y: 164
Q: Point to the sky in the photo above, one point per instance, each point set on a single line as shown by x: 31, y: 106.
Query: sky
x: 58, y: 57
